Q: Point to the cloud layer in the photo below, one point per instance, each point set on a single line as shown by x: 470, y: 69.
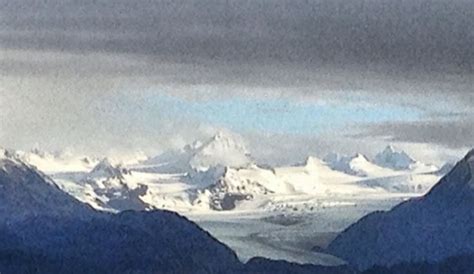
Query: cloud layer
x: 75, y: 73
x: 419, y: 34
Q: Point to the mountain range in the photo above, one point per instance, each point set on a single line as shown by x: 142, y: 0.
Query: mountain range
x: 219, y: 174
x: 44, y: 229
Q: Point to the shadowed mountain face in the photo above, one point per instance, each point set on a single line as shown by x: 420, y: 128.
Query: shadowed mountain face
x: 26, y: 193
x: 463, y: 264
x: 147, y: 242
x: 429, y: 229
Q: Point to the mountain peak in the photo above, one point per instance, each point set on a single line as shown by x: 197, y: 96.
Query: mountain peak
x: 359, y: 156
x: 105, y: 169
x: 393, y: 158
x: 312, y: 161
x: 225, y: 139
x: 104, y: 163
x: 389, y: 149
x: 222, y: 149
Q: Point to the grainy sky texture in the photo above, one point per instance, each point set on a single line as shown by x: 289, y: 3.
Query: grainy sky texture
x: 338, y: 74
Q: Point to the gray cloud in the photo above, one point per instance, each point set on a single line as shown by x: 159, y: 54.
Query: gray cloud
x: 453, y: 133
x: 309, y: 48
x: 421, y: 34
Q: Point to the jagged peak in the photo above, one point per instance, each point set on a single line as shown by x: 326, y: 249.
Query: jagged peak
x: 105, y: 162
x: 394, y: 158
x: 225, y: 148
x: 360, y: 156
x: 106, y: 169
x: 390, y: 149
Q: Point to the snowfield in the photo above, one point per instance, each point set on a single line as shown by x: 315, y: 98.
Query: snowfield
x: 251, y: 208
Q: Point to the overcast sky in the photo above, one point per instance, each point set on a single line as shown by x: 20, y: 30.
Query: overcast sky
x: 293, y: 77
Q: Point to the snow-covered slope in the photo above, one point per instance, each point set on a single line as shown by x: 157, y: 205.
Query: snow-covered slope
x: 396, y: 171
x: 431, y: 228
x: 51, y: 163
x: 314, y: 177
x: 407, y: 182
x: 358, y: 165
x: 106, y: 187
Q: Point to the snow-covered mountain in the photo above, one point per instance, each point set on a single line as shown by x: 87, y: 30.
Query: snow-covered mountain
x: 219, y: 174
x: 219, y: 187
x: 394, y: 159
x: 105, y: 169
x: 431, y: 228
x: 220, y: 150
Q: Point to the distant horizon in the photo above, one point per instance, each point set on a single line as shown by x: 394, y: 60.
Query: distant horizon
x: 426, y: 156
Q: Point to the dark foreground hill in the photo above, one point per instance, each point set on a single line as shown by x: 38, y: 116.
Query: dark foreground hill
x: 428, y: 229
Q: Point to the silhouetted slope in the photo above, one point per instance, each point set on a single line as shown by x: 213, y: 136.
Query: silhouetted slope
x: 25, y: 192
